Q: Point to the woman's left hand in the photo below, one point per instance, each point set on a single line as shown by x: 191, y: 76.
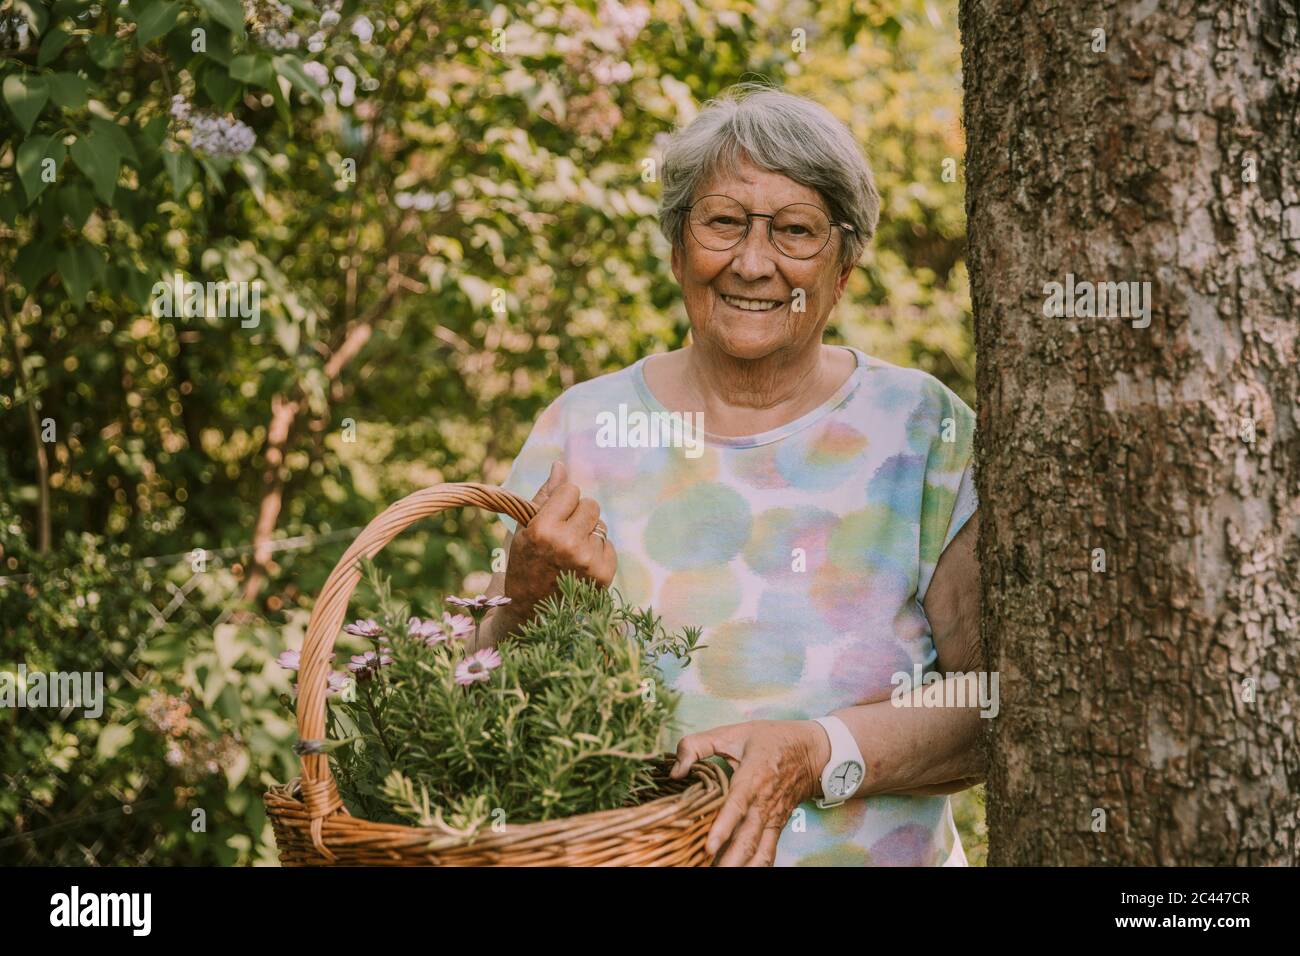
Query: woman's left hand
x: 773, y: 763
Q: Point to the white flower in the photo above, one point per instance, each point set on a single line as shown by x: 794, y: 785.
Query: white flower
x: 363, y: 29
x: 626, y: 22
x: 609, y: 72
x: 422, y: 200
x: 319, y: 73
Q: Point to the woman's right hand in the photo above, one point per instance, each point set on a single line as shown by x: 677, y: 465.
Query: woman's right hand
x: 560, y: 538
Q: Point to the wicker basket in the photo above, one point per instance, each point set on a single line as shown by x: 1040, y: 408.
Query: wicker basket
x: 313, y: 828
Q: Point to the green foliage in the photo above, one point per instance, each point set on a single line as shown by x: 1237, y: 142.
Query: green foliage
x: 564, y: 725
x: 192, y: 729
x: 394, y: 204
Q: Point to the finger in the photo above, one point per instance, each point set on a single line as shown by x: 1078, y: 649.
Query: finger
x: 734, y: 809
x: 582, y: 525
x: 744, y: 842
x: 766, y: 854
x: 559, y: 505
x: 584, y: 518
x: 726, y: 741
x: 607, y: 565
x: 690, y: 748
x: 557, y: 476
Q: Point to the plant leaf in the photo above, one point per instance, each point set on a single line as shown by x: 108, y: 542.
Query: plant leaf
x: 155, y: 21
x: 111, y: 134
x: 79, y: 267
x: 180, y: 169
x: 251, y: 68
x: 69, y: 90
x: 290, y: 67
x: 34, y: 262
x: 99, y: 164
x: 229, y: 13
x: 107, y: 52
x: 30, y: 161
x: 26, y: 96
x: 52, y: 46
x: 76, y: 202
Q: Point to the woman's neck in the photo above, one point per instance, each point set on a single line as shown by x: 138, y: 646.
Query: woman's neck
x: 747, y: 396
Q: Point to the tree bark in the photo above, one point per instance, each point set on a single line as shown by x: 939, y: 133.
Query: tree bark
x: 1157, y: 697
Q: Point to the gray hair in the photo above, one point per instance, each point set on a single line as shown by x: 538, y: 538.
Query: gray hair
x: 781, y: 132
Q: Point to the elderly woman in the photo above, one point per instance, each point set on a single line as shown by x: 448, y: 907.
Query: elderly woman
x: 819, y: 529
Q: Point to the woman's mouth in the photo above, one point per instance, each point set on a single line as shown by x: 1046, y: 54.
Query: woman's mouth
x: 752, y: 305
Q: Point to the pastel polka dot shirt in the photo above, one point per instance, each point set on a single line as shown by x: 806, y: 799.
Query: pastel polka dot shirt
x: 803, y: 552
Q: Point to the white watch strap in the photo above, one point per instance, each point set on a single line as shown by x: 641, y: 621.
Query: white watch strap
x: 843, y: 747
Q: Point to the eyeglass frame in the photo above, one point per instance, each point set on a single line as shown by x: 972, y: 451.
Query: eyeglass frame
x: 770, y: 217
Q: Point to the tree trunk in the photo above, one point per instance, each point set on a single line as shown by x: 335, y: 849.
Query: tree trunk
x: 1158, y: 697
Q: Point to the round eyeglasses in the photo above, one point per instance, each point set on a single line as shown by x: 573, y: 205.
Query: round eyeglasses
x: 799, y: 230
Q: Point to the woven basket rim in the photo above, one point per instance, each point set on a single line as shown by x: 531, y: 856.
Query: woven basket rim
x: 710, y: 788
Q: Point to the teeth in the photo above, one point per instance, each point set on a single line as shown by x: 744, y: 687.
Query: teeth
x: 751, y: 305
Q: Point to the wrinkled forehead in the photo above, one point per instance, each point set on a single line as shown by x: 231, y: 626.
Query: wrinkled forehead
x: 758, y: 189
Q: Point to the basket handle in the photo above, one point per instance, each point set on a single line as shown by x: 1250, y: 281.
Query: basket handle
x: 320, y: 792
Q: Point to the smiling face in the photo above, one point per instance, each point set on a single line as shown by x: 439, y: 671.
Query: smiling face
x: 742, y: 300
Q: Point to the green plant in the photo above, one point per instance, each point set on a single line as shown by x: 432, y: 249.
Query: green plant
x: 562, y: 718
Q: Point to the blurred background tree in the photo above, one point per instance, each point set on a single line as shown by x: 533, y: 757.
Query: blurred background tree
x: 450, y: 213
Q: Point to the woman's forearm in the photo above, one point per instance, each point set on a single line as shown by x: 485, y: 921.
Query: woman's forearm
x: 913, y: 750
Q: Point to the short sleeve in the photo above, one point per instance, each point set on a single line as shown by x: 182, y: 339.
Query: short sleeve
x: 531, y: 467
x: 948, y: 497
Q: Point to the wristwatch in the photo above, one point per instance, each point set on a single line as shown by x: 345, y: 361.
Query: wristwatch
x: 843, y: 773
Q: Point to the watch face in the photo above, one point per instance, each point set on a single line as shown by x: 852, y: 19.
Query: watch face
x: 845, y: 778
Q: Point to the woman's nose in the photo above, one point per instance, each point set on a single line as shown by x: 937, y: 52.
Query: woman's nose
x: 754, y: 257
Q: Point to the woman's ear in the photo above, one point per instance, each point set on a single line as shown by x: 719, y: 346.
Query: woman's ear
x: 842, y: 280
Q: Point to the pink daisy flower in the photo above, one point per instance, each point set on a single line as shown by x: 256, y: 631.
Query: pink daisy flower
x: 477, y: 667
x: 290, y: 660
x: 429, y: 631
x: 337, y: 682
x: 457, y: 626
x: 367, y: 628
x: 367, y: 664
x: 480, y: 602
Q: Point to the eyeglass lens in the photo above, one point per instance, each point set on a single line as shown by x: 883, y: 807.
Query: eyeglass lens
x: 800, y: 230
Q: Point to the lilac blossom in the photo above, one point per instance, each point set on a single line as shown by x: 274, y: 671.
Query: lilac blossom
x: 220, y: 136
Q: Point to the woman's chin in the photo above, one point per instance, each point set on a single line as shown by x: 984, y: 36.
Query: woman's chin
x: 747, y: 342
